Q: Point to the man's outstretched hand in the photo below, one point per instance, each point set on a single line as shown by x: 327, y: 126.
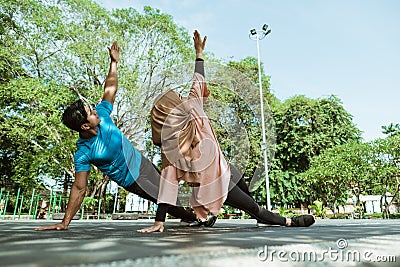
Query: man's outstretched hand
x: 114, y: 52
x: 58, y: 227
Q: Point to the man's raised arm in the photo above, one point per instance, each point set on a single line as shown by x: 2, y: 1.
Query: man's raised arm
x: 111, y: 84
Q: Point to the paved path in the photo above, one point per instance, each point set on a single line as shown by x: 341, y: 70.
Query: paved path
x: 229, y: 243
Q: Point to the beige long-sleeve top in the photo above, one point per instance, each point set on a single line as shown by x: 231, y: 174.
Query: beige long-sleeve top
x: 190, y: 150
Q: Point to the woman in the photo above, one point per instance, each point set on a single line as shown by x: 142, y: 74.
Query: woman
x: 190, y: 152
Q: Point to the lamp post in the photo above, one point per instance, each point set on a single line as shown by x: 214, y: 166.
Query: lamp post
x: 258, y: 35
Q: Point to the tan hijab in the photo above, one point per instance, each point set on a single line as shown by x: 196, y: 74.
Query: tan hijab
x: 173, y: 129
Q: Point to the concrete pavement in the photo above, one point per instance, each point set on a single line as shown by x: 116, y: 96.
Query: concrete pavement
x: 229, y: 243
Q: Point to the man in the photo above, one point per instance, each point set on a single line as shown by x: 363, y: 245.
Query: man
x: 102, y: 144
x: 190, y: 152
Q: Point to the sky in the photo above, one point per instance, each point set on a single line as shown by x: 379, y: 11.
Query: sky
x: 350, y: 49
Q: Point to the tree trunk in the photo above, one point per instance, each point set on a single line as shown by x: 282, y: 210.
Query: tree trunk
x: 99, y: 190
x: 66, y: 183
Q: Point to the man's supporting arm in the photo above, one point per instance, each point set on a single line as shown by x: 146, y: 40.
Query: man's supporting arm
x: 76, y: 197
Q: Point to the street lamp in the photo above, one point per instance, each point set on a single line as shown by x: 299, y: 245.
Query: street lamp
x: 258, y: 35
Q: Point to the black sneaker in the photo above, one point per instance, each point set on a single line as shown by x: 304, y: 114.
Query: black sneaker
x: 302, y: 221
x: 211, y: 219
x: 191, y: 223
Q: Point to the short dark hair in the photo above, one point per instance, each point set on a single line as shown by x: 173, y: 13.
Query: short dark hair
x: 75, y: 115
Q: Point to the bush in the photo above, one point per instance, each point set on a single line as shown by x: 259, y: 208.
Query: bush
x: 284, y: 212
x: 89, y: 203
x: 320, y: 211
x: 340, y: 216
x: 376, y: 215
x: 394, y: 216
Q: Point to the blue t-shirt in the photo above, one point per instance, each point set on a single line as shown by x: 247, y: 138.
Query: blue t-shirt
x: 109, y: 150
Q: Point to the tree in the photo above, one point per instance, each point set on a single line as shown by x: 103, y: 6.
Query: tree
x: 54, y: 52
x: 356, y: 168
x: 155, y: 52
x: 391, y: 129
x: 305, y: 128
x: 32, y: 143
x: 387, y: 170
x: 29, y: 116
x: 340, y: 172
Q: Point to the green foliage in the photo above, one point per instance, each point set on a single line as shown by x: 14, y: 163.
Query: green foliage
x: 108, y: 203
x: 52, y: 50
x: 320, y: 210
x: 395, y: 216
x: 89, y: 203
x: 284, y: 212
x: 228, y: 210
x: 238, y: 133
x: 238, y: 125
x: 154, y: 48
x: 356, y: 168
x: 305, y: 128
x: 391, y: 129
x: 339, y: 216
x: 376, y: 215
x: 122, y: 194
x: 334, y: 173
x: 249, y: 67
x: 33, y: 143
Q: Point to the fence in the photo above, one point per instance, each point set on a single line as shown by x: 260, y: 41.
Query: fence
x: 38, y: 205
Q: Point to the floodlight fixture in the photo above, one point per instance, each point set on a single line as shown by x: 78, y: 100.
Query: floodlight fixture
x: 259, y: 34
x: 265, y: 27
